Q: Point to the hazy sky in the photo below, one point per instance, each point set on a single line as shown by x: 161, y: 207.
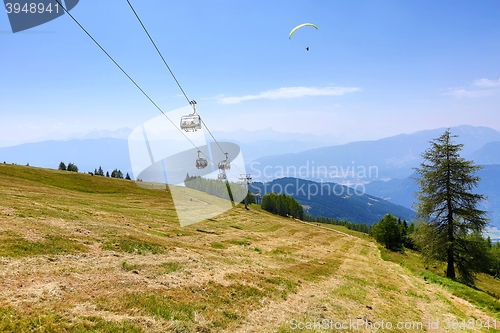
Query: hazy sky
x: 373, y: 69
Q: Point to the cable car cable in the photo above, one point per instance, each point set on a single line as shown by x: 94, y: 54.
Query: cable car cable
x: 135, y: 83
x: 165, y: 62
x: 131, y: 79
x: 124, y: 72
x: 157, y: 50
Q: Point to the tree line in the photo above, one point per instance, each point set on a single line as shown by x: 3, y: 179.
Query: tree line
x: 361, y: 227
x: 70, y: 167
x: 218, y: 188
x: 114, y: 174
x: 97, y: 172
x: 282, y: 204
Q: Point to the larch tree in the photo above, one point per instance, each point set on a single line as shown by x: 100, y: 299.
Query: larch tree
x: 447, y: 202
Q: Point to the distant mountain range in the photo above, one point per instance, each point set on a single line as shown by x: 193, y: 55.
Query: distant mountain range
x: 270, y: 155
x: 400, y: 191
x: 334, y: 200
x: 111, y: 153
x: 87, y: 154
x: 254, y: 150
x: 487, y: 154
x: 269, y: 134
x: 364, y: 161
x: 382, y: 166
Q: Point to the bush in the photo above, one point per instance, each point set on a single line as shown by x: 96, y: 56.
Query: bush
x: 72, y: 167
x: 388, y: 233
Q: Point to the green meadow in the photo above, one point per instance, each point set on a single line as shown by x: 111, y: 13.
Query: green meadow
x: 82, y: 253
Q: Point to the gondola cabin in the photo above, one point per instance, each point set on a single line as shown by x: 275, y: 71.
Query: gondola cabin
x: 225, y: 164
x: 191, y: 122
x: 201, y: 163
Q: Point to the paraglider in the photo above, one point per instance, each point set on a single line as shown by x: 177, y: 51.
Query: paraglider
x: 300, y: 26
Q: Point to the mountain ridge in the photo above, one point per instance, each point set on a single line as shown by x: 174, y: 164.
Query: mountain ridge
x: 88, y: 154
x: 392, y: 157
x: 334, y: 200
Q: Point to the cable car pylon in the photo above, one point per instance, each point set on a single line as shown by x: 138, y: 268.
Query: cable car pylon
x: 245, y: 180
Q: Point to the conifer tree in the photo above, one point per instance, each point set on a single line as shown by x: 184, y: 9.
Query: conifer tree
x: 72, y: 167
x: 447, y: 202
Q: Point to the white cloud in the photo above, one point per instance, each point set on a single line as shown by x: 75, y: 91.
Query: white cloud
x: 486, y: 83
x: 461, y: 93
x: 29, y: 125
x: 487, y: 87
x: 493, y: 232
x: 289, y: 92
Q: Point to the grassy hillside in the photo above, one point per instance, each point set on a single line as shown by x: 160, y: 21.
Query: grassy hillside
x: 81, y: 253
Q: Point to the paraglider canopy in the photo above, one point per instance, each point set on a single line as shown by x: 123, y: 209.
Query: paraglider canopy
x: 300, y: 26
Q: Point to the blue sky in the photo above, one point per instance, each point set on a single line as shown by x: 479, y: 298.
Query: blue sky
x: 374, y: 68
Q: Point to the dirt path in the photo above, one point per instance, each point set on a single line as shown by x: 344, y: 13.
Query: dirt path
x: 363, y: 291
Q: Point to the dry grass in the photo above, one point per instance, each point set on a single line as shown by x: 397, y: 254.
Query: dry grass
x: 81, y: 253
